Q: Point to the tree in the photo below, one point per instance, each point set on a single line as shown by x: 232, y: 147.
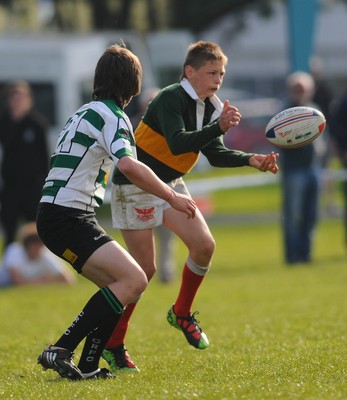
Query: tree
x: 197, y: 15
x: 107, y: 15
x: 151, y: 15
x: 194, y: 15
x: 117, y: 14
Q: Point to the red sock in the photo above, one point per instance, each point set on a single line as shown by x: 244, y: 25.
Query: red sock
x: 118, y: 336
x: 189, y: 287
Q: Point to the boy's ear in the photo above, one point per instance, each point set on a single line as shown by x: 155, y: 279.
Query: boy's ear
x: 188, y: 69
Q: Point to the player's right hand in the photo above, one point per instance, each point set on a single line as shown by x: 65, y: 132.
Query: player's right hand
x: 229, y: 117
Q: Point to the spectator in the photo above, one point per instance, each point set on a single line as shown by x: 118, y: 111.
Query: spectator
x: 323, y: 94
x: 25, y: 158
x: 165, y: 238
x: 301, y: 179
x: 28, y: 261
x: 166, y: 243
x: 339, y: 133
x: 324, y: 98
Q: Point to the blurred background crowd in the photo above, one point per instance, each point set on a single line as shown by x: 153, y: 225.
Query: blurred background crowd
x: 48, y: 50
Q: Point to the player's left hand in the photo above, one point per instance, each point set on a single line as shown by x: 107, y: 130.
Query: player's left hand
x: 265, y: 162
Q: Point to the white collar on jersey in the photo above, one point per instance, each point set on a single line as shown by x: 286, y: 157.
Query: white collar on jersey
x: 200, y: 109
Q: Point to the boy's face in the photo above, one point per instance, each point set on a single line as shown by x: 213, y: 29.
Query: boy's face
x: 19, y: 103
x: 34, y: 250
x: 300, y: 93
x: 206, y: 80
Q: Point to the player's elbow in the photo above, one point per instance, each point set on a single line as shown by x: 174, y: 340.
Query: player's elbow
x: 127, y: 165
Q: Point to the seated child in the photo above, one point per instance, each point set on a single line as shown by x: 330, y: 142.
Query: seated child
x: 28, y: 261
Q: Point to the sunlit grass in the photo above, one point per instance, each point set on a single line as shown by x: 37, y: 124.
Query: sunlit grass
x: 275, y: 332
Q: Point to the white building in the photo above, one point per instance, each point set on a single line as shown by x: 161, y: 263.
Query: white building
x: 259, y: 55
x: 60, y: 67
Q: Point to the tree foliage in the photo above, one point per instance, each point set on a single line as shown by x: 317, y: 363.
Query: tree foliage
x: 150, y: 15
x: 107, y: 17
x: 197, y: 15
x: 194, y: 15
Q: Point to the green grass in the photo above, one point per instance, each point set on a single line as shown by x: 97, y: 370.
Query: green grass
x: 276, y: 332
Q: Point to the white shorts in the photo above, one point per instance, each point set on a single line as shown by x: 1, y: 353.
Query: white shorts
x: 132, y: 208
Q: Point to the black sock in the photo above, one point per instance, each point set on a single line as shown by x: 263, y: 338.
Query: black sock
x: 100, y: 308
x: 94, y: 345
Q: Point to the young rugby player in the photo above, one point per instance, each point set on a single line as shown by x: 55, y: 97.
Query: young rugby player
x: 97, y: 136
x: 182, y: 121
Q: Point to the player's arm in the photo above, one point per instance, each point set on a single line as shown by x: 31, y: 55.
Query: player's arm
x: 143, y: 177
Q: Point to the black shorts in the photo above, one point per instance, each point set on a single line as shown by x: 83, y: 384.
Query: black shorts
x: 69, y: 233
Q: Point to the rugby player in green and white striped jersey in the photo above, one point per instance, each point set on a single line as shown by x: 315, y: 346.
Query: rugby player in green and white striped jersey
x: 98, y: 136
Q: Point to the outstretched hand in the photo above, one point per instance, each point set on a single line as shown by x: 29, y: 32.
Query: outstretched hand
x: 265, y: 162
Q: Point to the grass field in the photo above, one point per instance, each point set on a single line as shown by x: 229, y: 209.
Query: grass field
x: 275, y: 332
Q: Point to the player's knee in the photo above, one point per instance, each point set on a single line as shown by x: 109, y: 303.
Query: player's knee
x: 149, y: 270
x: 206, y: 247
x: 143, y: 282
x: 137, y: 284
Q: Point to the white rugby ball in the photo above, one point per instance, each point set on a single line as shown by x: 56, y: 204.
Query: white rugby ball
x: 295, y: 127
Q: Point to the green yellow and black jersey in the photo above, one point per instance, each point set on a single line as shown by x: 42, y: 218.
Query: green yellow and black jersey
x: 175, y: 128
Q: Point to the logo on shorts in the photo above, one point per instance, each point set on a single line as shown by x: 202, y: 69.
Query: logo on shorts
x: 70, y: 256
x: 144, y: 214
x: 99, y: 237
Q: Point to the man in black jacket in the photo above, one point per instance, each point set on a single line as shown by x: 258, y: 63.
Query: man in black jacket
x: 25, y: 158
x: 339, y: 133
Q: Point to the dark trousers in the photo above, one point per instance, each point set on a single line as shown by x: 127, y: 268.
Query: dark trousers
x: 344, y: 188
x: 18, y: 204
x: 300, y: 212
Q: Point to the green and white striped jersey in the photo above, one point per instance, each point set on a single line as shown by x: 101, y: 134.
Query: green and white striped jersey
x: 97, y: 136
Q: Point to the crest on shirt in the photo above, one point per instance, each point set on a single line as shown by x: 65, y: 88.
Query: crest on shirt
x: 123, y: 132
x: 144, y: 214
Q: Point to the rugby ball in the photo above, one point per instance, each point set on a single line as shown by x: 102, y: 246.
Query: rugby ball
x: 295, y: 127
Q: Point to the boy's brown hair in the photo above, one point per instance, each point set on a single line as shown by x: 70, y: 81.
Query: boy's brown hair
x: 201, y: 52
x: 118, y: 76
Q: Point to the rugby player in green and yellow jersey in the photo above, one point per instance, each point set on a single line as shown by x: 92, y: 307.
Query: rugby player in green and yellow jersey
x: 182, y: 121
